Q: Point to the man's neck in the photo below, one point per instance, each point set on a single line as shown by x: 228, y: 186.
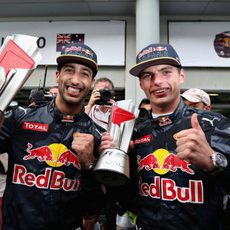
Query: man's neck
x: 69, y: 109
x: 168, y: 108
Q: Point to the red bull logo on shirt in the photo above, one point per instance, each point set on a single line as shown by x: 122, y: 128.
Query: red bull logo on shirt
x: 54, y: 155
x: 162, y: 162
x: 54, y: 181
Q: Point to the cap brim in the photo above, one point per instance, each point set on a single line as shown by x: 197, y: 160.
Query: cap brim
x: 138, y: 68
x: 190, y: 98
x: 67, y: 58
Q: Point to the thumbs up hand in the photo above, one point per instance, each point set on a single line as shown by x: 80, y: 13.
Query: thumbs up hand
x: 193, y: 147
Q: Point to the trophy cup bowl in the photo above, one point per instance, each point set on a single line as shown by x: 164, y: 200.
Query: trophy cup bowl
x: 19, y: 56
x: 112, y: 167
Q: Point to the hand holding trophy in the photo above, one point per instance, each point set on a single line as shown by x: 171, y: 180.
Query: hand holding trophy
x: 112, y: 167
x: 19, y: 56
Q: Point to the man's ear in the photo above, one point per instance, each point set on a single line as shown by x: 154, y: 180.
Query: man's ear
x: 57, y: 76
x: 207, y: 107
x: 140, y: 84
x: 182, y: 76
x: 93, y: 82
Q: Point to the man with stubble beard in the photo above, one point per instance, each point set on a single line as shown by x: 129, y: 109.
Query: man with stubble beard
x: 51, y: 149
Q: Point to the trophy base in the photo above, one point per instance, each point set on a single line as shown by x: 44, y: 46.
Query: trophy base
x: 110, y: 178
x: 112, y: 168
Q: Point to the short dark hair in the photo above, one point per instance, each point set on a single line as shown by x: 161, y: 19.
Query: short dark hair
x: 144, y: 101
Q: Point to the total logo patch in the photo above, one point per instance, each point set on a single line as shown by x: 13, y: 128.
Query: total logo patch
x: 142, y: 140
x: 35, y: 126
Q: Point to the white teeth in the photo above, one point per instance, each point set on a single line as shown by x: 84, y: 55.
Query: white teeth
x: 74, y: 90
x: 159, y: 90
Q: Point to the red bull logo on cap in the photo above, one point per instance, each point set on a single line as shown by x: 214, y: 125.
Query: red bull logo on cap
x: 161, y: 162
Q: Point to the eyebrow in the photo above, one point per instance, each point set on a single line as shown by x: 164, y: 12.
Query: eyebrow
x: 162, y: 69
x: 68, y: 65
x: 166, y: 68
x: 85, y: 68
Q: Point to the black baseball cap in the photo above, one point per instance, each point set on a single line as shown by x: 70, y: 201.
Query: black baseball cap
x: 80, y: 53
x: 155, y: 54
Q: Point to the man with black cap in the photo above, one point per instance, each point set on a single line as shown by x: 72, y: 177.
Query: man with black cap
x: 36, y: 97
x: 180, y: 162
x: 51, y: 149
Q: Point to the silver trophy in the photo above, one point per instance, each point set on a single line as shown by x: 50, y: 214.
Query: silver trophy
x: 19, y: 56
x: 112, y: 167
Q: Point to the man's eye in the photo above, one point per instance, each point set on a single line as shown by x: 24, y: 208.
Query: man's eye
x: 86, y: 74
x: 166, y: 72
x: 68, y: 70
x: 146, y: 76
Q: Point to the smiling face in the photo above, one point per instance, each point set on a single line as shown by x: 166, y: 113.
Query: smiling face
x: 161, y: 84
x: 74, y: 82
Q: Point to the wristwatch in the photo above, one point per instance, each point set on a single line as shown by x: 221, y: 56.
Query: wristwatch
x: 219, y: 161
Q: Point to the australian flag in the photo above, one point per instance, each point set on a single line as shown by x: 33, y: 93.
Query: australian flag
x: 65, y: 39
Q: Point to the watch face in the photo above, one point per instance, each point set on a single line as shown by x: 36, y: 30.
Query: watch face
x: 221, y: 160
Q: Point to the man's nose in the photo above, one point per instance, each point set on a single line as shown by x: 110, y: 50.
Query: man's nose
x: 156, y: 78
x: 76, y: 77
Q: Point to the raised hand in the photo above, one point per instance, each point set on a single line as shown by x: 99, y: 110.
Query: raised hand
x: 193, y: 147
x: 83, y: 144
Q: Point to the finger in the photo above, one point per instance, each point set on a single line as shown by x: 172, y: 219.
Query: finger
x: 106, y: 136
x: 181, y: 147
x: 78, y: 134
x: 195, y: 123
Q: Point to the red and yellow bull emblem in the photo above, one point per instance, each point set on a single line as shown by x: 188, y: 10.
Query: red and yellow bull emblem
x: 164, y: 121
x: 162, y: 162
x: 87, y: 51
x: 54, y: 155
